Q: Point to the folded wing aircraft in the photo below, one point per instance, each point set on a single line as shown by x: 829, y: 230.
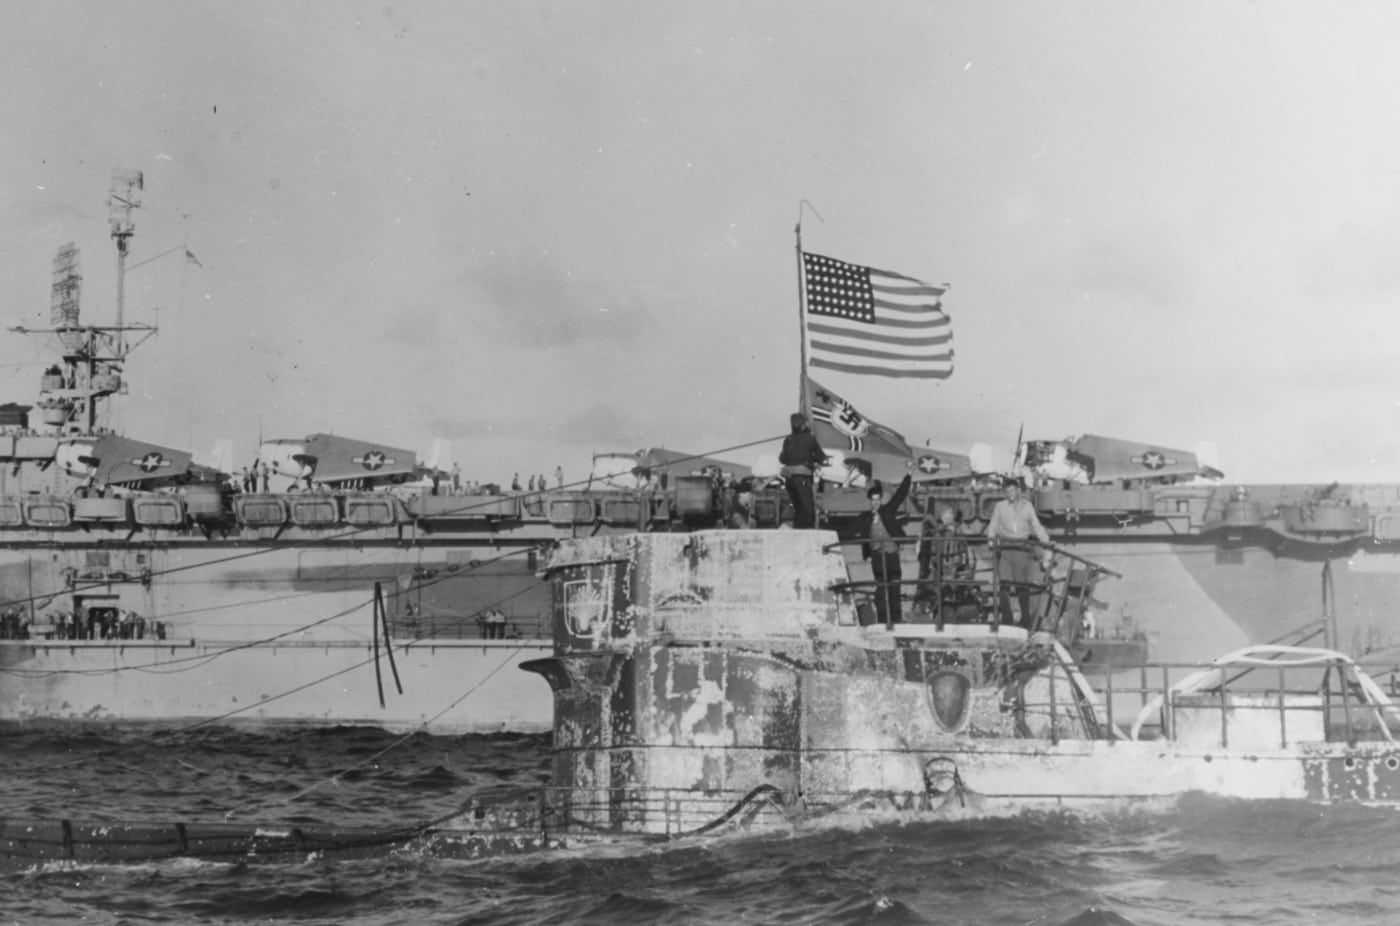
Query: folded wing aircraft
x: 627, y: 470
x: 337, y: 458
x: 1095, y: 459
x: 122, y: 461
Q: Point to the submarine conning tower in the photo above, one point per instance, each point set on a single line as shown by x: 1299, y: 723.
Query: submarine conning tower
x: 611, y: 592
x: 697, y: 676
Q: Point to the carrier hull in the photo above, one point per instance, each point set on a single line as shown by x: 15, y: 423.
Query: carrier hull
x: 288, y: 634
x: 238, y: 607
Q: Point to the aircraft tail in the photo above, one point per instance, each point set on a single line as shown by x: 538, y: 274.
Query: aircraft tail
x: 219, y: 457
x: 439, y: 455
x: 1208, y: 459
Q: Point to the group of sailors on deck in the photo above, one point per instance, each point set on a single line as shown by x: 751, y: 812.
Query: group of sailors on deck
x: 945, y: 560
x: 537, y: 483
x: 14, y: 625
x: 96, y: 623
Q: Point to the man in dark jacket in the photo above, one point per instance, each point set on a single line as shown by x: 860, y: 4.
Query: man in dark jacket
x: 801, y: 456
x: 877, y: 526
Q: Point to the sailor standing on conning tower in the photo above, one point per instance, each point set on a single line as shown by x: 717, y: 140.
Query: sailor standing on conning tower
x: 801, y: 456
x: 1012, y: 525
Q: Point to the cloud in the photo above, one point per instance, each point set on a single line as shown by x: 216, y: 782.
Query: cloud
x: 1355, y: 260
x: 414, y: 328
x: 532, y: 301
x: 603, y: 426
x: 1140, y: 262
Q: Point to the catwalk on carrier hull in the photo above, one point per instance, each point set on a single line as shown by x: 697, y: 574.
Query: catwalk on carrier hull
x: 355, y: 585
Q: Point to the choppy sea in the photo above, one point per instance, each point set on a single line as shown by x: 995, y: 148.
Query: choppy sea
x: 1204, y: 861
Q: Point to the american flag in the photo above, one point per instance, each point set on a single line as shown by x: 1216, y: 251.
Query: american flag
x: 863, y: 320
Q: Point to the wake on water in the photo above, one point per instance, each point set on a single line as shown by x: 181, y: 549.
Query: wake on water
x: 1201, y: 859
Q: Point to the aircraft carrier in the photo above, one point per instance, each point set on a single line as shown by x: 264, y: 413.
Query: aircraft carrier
x: 337, y: 580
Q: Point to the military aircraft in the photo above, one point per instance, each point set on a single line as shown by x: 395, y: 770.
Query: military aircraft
x: 624, y: 470
x: 112, y: 460
x: 328, y: 459
x: 1095, y: 460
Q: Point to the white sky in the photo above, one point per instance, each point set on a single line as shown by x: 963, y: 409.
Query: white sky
x: 545, y: 230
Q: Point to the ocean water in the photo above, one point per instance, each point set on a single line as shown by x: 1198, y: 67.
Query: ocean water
x: 1205, y: 861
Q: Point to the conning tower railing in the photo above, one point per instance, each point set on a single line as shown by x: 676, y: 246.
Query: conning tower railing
x: 959, y: 581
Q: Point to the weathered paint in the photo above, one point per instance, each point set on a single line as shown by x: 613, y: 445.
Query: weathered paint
x: 693, y: 672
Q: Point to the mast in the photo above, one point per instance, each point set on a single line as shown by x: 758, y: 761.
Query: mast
x: 802, y: 403
x: 125, y: 195
x: 93, y: 356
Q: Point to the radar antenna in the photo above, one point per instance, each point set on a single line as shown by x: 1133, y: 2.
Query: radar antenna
x: 67, y: 288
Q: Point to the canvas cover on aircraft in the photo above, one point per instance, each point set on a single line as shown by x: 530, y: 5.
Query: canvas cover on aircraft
x: 338, y: 458
x: 121, y: 460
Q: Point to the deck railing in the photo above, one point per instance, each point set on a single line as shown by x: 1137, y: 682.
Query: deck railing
x: 1326, y: 698
x: 959, y: 581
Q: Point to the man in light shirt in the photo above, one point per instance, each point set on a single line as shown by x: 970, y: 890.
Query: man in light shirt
x: 1012, y: 525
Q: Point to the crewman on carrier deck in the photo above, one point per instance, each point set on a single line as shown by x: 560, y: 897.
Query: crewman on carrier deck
x: 494, y: 623
x: 1012, y: 525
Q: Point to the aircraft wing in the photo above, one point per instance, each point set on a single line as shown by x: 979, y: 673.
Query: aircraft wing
x: 121, y: 460
x: 934, y: 465
x: 339, y: 458
x: 925, y: 464
x: 1115, y: 459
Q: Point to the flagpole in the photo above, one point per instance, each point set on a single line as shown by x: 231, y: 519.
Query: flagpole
x: 802, y: 403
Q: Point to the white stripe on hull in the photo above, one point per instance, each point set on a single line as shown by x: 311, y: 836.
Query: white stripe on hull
x: 449, y: 687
